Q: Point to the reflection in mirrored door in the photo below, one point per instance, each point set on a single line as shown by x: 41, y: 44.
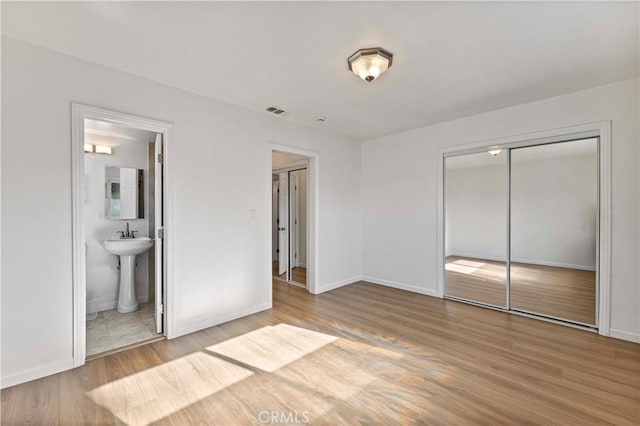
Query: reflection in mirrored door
x: 298, y: 226
x: 476, y: 227
x: 554, y: 215
x: 289, y: 227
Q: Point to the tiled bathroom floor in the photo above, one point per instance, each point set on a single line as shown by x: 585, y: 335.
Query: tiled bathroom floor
x: 111, y: 330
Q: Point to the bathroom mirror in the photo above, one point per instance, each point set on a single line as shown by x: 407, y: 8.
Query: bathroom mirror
x: 124, y: 193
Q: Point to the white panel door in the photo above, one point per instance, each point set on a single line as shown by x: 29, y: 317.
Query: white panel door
x: 283, y: 224
x: 159, y: 227
x: 274, y: 220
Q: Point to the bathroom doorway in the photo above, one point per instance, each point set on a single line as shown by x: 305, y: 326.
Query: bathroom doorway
x: 119, y: 225
x: 290, y: 218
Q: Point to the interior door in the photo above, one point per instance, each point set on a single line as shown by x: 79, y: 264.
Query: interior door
x: 159, y: 234
x: 283, y: 225
x: 274, y: 221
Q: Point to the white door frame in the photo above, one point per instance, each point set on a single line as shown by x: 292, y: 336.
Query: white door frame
x: 79, y: 113
x: 600, y: 129
x: 313, y: 224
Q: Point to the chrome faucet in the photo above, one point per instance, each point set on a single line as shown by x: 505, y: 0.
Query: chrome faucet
x: 127, y: 233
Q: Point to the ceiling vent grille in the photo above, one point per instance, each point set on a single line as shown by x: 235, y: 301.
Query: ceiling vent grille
x: 275, y: 110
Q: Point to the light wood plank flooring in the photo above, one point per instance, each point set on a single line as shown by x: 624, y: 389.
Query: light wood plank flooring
x: 557, y: 292
x: 360, y: 354
x: 298, y: 274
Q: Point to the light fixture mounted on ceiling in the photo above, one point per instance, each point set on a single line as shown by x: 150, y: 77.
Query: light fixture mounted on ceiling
x: 97, y: 149
x: 495, y: 152
x: 369, y: 64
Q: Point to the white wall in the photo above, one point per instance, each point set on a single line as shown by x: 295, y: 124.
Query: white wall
x: 554, y: 205
x: 102, y: 273
x: 553, y: 211
x: 399, y: 190
x: 476, y: 207
x: 219, y: 154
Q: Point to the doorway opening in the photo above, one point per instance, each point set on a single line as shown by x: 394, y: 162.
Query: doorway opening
x: 290, y: 218
x: 118, y: 231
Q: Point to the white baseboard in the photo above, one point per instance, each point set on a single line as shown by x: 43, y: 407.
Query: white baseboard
x: 529, y: 261
x: 624, y: 335
x: 401, y: 286
x: 35, y: 373
x: 338, y: 284
x: 107, y: 306
x: 201, y: 323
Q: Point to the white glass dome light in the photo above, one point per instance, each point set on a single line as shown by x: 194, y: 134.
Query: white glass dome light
x: 369, y: 64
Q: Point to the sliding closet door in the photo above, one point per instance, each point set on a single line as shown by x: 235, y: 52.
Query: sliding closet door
x: 554, y: 215
x: 476, y: 227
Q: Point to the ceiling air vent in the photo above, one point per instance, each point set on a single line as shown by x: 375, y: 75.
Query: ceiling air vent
x: 275, y: 110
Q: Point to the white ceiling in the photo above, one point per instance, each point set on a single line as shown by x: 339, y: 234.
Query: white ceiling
x: 283, y: 159
x: 451, y: 59
x: 109, y: 134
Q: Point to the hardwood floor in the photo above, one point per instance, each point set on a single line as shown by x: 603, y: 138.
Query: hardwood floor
x: 298, y: 274
x: 557, y: 292
x: 360, y: 354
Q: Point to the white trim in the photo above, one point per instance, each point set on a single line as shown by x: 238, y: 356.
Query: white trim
x: 604, y: 234
x: 402, y: 286
x: 338, y: 284
x: 35, y: 373
x: 204, y: 322
x: 313, y: 215
x: 601, y: 129
x: 79, y: 113
x: 521, y: 260
x: 554, y: 264
x: 624, y: 335
x: 440, y: 226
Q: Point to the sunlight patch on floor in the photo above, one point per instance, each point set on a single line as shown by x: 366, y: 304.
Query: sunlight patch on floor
x: 461, y: 269
x: 152, y: 394
x: 471, y: 263
x: 272, y: 347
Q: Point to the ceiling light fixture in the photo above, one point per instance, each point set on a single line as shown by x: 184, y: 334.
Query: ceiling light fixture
x: 369, y: 64
x: 88, y: 147
x: 495, y: 152
x: 101, y: 149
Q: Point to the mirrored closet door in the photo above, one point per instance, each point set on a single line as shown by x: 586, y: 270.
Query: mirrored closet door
x: 554, y: 216
x: 476, y: 231
x: 521, y: 226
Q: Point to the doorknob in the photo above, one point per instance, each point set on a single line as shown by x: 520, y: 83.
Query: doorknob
x: 282, y: 229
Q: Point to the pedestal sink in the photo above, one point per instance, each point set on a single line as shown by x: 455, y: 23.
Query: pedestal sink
x: 127, y: 249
